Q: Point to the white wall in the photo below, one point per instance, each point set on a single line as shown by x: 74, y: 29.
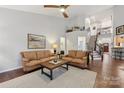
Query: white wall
x: 14, y: 27
x: 103, y: 15
x: 118, y: 18
x: 76, y: 21
x: 72, y: 39
x: 118, y: 15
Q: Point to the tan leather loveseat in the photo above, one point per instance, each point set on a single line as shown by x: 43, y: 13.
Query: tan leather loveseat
x: 77, y: 58
x: 32, y: 59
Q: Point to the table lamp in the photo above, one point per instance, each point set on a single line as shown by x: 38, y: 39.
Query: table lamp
x: 54, y: 46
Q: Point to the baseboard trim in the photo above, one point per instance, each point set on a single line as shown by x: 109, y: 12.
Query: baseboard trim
x: 10, y: 69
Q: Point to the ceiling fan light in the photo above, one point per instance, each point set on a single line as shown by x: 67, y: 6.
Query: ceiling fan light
x: 62, y: 9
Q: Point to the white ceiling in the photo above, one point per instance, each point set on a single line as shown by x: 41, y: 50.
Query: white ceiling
x: 73, y: 10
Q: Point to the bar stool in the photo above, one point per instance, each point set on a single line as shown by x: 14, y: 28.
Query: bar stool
x: 120, y: 53
x: 115, y: 53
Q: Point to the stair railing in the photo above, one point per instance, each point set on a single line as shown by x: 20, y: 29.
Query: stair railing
x: 98, y: 47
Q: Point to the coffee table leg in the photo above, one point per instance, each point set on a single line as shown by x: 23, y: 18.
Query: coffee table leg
x: 41, y: 70
x: 67, y: 66
x: 51, y: 74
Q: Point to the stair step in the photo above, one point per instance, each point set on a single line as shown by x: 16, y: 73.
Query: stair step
x: 97, y: 59
x: 97, y: 56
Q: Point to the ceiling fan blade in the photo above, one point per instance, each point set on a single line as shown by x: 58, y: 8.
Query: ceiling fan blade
x: 65, y: 15
x: 66, y: 6
x: 51, y: 6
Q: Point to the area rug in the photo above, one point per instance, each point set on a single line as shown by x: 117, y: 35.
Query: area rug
x: 73, y: 78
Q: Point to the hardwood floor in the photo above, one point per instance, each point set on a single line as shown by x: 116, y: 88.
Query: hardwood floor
x: 110, y: 73
x: 11, y: 74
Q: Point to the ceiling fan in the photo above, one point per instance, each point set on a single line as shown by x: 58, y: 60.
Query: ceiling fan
x: 62, y: 8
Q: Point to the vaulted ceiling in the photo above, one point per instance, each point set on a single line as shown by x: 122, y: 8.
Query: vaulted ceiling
x: 73, y: 10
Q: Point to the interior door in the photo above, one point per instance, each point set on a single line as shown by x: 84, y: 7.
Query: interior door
x: 106, y: 47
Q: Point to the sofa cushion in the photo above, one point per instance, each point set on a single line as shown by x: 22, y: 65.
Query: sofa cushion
x: 52, y: 54
x: 80, y: 54
x: 40, y: 54
x: 67, y: 58
x: 72, y: 53
x: 30, y: 55
x: 52, y: 57
x: 47, y: 53
x: 45, y: 59
x: 78, y: 61
x: 33, y: 63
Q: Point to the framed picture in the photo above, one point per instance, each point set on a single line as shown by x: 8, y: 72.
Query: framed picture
x: 120, y: 30
x: 36, y: 41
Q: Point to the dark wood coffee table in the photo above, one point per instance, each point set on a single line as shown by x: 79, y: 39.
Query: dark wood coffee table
x: 51, y: 67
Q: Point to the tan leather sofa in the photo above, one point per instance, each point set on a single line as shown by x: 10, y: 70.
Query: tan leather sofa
x: 32, y: 59
x: 77, y: 58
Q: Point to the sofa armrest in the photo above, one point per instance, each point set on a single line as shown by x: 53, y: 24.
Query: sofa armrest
x: 84, y: 58
x: 25, y: 60
x: 65, y: 56
x: 23, y: 63
x: 52, y: 54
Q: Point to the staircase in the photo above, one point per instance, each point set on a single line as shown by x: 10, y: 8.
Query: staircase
x: 95, y: 48
x: 96, y: 56
x: 91, y: 43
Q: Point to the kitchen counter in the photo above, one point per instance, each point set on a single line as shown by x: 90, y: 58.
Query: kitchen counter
x: 118, y: 52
